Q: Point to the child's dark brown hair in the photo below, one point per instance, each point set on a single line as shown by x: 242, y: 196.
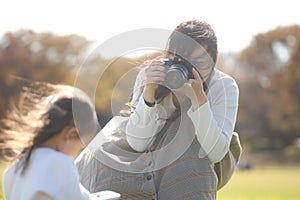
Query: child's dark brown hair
x: 42, y: 111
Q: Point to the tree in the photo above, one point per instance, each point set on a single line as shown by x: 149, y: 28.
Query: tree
x: 26, y: 55
x: 270, y: 87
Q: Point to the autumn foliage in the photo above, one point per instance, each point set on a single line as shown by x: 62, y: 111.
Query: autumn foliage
x: 267, y: 72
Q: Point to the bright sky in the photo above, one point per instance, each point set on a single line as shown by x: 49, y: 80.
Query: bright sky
x: 234, y: 21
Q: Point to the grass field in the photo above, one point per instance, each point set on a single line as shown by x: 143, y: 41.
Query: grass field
x: 261, y: 183
x: 3, y: 165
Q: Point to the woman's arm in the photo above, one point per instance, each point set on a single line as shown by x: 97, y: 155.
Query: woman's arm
x: 214, y: 121
x: 139, y: 130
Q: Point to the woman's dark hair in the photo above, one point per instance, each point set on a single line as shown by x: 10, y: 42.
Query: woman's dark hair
x: 199, y: 31
x: 42, y: 111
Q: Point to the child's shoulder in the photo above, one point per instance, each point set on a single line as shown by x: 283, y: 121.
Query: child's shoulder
x: 54, y: 164
x: 53, y: 158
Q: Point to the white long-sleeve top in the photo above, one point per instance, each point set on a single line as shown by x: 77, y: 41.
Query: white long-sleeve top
x: 213, y: 121
x: 49, y: 175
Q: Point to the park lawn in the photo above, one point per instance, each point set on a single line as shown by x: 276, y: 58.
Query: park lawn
x: 3, y: 165
x: 263, y: 183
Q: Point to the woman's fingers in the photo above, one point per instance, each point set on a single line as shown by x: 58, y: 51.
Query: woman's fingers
x: 156, y: 62
x: 154, y: 68
x: 197, y: 75
x: 155, y: 74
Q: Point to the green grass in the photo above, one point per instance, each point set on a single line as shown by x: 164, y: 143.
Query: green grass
x: 261, y: 183
x: 264, y: 183
x: 3, y: 165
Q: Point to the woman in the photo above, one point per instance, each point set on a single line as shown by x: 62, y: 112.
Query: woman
x: 177, y: 132
x: 42, y: 137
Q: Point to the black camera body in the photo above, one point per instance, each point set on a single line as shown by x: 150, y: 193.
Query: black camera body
x: 178, y: 72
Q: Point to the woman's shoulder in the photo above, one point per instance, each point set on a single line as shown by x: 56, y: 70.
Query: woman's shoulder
x: 221, y: 78
x: 218, y: 74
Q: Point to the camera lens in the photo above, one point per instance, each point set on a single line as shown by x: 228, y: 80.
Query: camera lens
x: 176, y: 76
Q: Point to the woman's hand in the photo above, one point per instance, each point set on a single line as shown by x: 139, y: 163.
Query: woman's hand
x: 155, y: 75
x: 193, y: 89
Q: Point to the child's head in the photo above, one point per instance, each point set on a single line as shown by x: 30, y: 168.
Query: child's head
x: 56, y: 116
x: 69, y: 121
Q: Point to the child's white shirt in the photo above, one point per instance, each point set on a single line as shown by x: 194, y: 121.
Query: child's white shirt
x: 49, y: 175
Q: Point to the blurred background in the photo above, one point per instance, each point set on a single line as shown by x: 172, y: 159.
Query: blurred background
x: 259, y: 45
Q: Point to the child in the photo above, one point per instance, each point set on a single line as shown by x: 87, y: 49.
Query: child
x: 46, y: 131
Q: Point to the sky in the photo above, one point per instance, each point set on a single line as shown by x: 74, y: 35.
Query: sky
x: 235, y: 22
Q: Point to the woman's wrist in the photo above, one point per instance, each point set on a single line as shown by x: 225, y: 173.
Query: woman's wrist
x: 149, y: 94
x: 199, y: 101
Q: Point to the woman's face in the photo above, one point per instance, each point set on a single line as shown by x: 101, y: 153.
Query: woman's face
x: 201, y: 60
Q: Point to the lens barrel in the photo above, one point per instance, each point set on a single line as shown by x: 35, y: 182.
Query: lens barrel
x: 176, y: 76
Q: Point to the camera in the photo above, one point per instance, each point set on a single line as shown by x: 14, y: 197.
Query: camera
x: 178, y: 72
